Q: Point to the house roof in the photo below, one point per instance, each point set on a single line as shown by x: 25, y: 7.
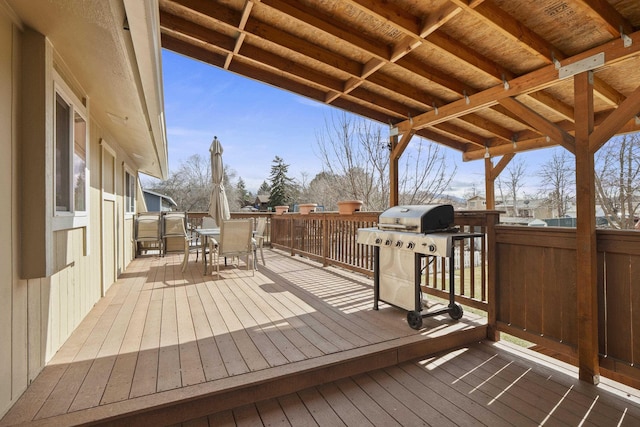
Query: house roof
x: 162, y: 196
x: 109, y: 51
x: 472, y: 75
x: 262, y: 198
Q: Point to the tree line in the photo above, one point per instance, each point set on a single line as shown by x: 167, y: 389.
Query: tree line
x: 354, y: 154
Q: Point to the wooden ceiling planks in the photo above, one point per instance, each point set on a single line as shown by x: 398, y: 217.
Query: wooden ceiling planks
x: 437, y: 68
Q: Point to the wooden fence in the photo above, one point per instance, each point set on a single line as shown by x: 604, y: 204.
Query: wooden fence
x: 536, y: 293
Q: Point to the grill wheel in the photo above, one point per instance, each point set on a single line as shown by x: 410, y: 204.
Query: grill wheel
x: 414, y: 319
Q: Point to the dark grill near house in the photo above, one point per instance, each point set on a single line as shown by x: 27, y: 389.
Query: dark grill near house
x: 408, y: 237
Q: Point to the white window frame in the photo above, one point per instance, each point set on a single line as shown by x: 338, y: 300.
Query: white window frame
x: 134, y: 187
x: 63, y: 220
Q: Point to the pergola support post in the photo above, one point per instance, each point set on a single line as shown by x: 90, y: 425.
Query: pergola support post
x: 586, y: 243
x: 395, y: 154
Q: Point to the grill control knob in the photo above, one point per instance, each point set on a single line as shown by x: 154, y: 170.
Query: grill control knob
x: 387, y: 242
x: 411, y: 245
x: 399, y: 244
x: 378, y: 241
x: 432, y: 248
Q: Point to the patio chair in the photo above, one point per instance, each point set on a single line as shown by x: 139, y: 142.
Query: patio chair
x: 148, y: 231
x: 258, y: 237
x: 235, y: 241
x: 174, y: 227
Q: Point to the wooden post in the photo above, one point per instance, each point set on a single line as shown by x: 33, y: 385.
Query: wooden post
x: 489, y: 184
x: 393, y: 171
x: 492, y: 218
x: 586, y: 254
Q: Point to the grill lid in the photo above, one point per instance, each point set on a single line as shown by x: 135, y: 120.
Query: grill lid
x: 417, y: 218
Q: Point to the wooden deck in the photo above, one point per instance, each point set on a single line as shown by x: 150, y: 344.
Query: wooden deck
x: 491, y: 384
x: 293, y: 344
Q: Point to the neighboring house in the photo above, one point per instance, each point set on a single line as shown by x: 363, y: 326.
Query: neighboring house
x: 476, y: 203
x: 81, y: 114
x: 157, y: 202
x: 262, y: 202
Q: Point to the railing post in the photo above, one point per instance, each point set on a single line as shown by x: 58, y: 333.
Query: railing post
x: 492, y: 219
x: 291, y: 233
x: 325, y: 240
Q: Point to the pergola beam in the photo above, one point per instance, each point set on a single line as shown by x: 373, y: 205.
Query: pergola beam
x: 544, y: 126
x: 536, y: 80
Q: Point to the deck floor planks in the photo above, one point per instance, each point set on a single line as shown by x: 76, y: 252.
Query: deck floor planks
x: 409, y: 398
x: 371, y: 409
x: 263, y: 344
x: 257, y: 308
x: 268, y: 305
x: 234, y: 363
x: 551, y: 378
x: 494, y: 386
x: 118, y: 387
x: 213, y: 366
x: 247, y: 416
x: 296, y: 318
x: 428, y: 395
x: 190, y: 362
x: 542, y: 398
x: 95, y: 383
x: 145, y: 377
x: 460, y: 397
x: 271, y: 414
x: 319, y: 408
x: 314, y: 315
x: 390, y: 403
x: 169, y: 376
x: 343, y: 407
x: 246, y: 346
x: 296, y: 412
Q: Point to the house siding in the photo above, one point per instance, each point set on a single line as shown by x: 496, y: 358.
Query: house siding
x: 38, y: 314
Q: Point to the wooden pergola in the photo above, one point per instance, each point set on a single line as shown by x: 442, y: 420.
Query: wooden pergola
x: 487, y: 78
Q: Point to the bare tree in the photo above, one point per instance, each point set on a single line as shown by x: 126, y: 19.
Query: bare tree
x: 349, y: 149
x: 355, y: 158
x: 426, y: 174
x: 190, y: 186
x: 557, y: 181
x: 617, y: 183
x: 513, y: 181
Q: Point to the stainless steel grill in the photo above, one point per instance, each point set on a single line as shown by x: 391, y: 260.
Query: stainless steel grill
x: 404, y: 237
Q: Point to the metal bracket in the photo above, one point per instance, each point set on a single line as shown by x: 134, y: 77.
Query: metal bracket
x: 583, y: 65
x: 505, y: 83
x: 626, y: 40
x: 435, y: 108
x: 466, y: 97
x: 555, y: 61
x: 637, y: 120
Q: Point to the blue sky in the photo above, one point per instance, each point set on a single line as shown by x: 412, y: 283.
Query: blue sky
x: 255, y: 122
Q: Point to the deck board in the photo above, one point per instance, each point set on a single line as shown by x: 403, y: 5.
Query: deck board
x: 161, y: 336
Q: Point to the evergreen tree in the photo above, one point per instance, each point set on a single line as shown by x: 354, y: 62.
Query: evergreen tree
x: 244, y: 197
x: 264, y: 188
x: 281, y: 185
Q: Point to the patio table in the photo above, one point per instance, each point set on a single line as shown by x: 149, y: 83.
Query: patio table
x: 205, y: 234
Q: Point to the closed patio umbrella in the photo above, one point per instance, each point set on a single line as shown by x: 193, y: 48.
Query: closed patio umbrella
x: 218, y: 204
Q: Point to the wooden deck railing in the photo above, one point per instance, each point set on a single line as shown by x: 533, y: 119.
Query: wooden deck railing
x: 536, y: 293
x: 330, y: 238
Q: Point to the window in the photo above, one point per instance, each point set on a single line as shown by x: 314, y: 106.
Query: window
x: 130, y: 193
x: 70, y: 158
